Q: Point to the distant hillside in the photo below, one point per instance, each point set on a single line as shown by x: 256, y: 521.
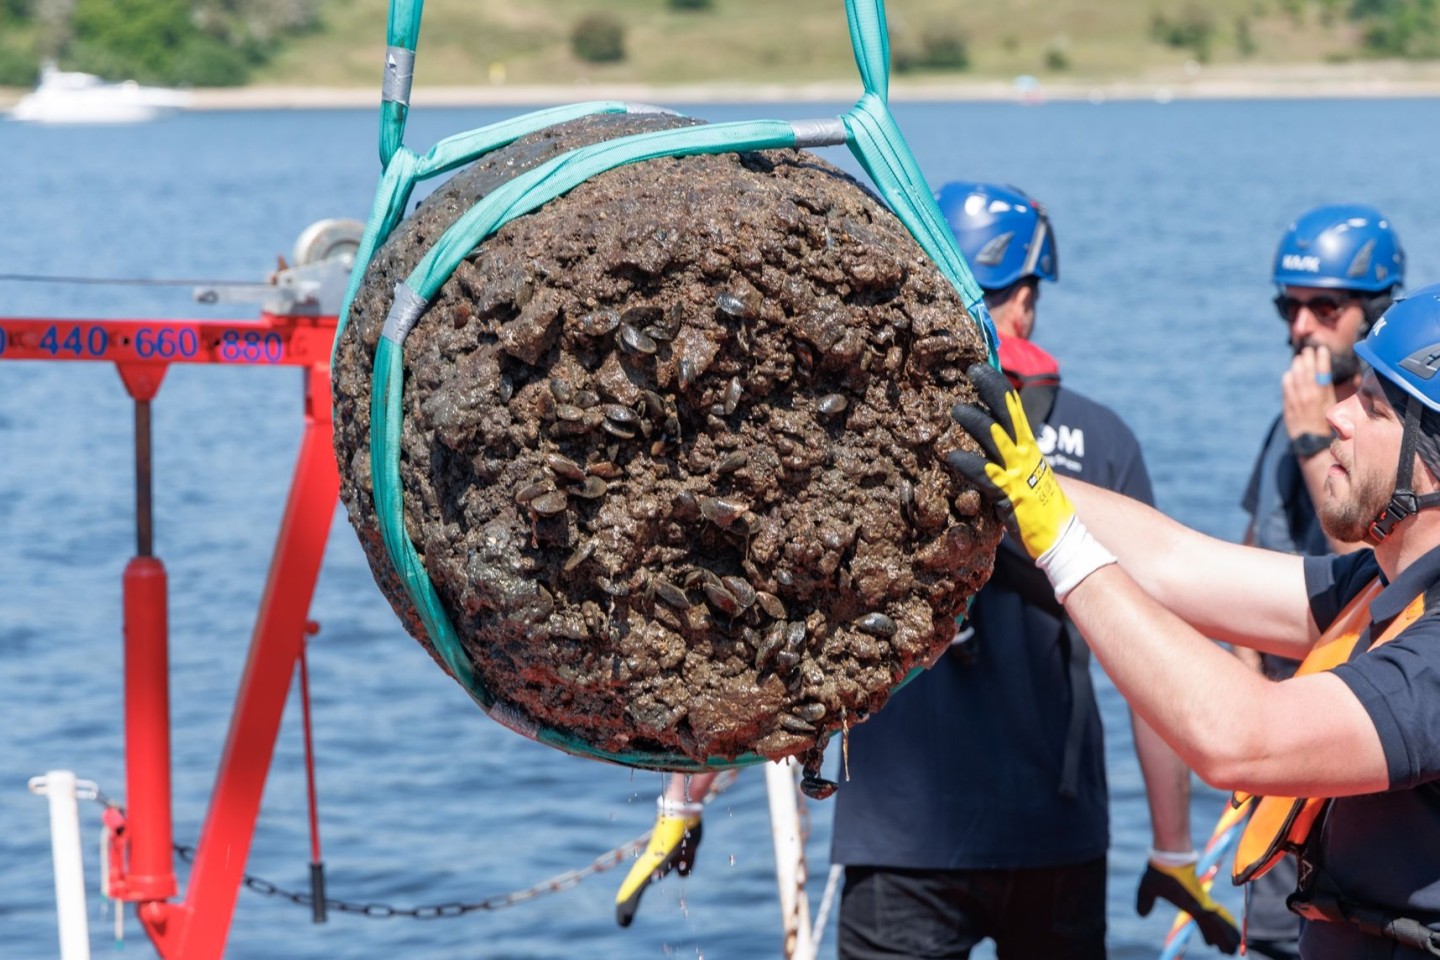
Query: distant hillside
x: 339, y: 43
x: 794, y: 41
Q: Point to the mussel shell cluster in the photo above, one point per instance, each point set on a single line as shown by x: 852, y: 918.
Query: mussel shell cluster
x: 673, y: 448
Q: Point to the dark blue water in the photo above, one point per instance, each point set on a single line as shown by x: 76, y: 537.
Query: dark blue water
x: 1167, y: 216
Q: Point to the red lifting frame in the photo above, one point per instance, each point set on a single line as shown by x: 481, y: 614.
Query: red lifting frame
x: 144, y: 873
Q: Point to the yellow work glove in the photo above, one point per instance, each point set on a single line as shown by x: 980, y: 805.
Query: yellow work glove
x: 1177, y: 883
x: 1017, y: 479
x: 672, y: 845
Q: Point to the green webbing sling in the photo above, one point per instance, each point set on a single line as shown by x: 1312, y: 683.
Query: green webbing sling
x: 868, y: 129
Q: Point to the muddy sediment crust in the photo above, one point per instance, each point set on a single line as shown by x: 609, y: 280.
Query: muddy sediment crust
x: 672, y: 448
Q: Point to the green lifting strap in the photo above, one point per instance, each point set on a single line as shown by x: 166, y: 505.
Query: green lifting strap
x: 870, y: 131
x: 870, y: 41
x: 876, y: 141
x: 402, y: 35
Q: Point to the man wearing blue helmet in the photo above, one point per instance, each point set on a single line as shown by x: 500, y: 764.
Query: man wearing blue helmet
x: 1356, y: 728
x: 1006, y: 237
x: 1336, y: 270
x: 976, y: 803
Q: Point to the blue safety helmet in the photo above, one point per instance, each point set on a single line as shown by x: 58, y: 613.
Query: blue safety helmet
x: 1346, y: 246
x: 1003, y: 232
x: 1403, y: 348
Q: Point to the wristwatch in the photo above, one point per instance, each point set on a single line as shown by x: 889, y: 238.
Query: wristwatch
x: 1307, y: 445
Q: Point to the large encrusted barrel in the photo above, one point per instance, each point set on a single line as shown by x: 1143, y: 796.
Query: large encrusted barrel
x: 672, y: 448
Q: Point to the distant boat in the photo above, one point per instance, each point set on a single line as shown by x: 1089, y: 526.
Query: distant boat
x: 65, y: 96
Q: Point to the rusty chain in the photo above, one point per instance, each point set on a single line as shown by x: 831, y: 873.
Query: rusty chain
x: 556, y: 884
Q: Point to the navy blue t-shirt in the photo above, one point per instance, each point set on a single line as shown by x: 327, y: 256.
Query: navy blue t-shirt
x: 962, y: 768
x: 1383, y: 849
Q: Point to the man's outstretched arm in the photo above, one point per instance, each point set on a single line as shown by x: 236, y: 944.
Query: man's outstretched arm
x: 1308, y: 736
x: 1208, y: 582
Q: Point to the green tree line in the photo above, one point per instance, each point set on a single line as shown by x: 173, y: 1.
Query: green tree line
x: 1400, y: 28
x: 171, y: 42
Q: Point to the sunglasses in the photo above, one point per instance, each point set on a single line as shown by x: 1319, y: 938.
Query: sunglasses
x: 1326, y: 308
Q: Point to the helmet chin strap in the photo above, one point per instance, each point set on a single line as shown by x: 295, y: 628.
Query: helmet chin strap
x: 1404, y: 502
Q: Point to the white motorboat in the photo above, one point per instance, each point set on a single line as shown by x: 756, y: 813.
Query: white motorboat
x: 65, y: 96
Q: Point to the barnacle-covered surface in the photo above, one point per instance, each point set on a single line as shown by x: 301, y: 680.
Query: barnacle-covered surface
x: 672, y: 448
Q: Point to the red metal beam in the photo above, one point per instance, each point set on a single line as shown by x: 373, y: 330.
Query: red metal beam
x: 142, y: 351
x: 272, y: 340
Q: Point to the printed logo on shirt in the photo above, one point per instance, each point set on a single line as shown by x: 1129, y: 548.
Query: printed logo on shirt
x: 1063, y: 447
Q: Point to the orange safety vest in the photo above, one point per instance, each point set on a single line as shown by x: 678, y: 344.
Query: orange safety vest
x: 1281, y: 825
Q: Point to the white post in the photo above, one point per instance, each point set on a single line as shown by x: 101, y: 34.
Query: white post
x: 60, y: 787
x: 790, y: 871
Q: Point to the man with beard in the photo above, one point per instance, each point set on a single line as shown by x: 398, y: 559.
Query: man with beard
x: 1336, y: 271
x: 1356, y: 728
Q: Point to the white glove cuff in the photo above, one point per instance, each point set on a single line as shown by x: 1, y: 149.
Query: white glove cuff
x: 1072, y: 557
x: 686, y: 809
x: 1172, y: 858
